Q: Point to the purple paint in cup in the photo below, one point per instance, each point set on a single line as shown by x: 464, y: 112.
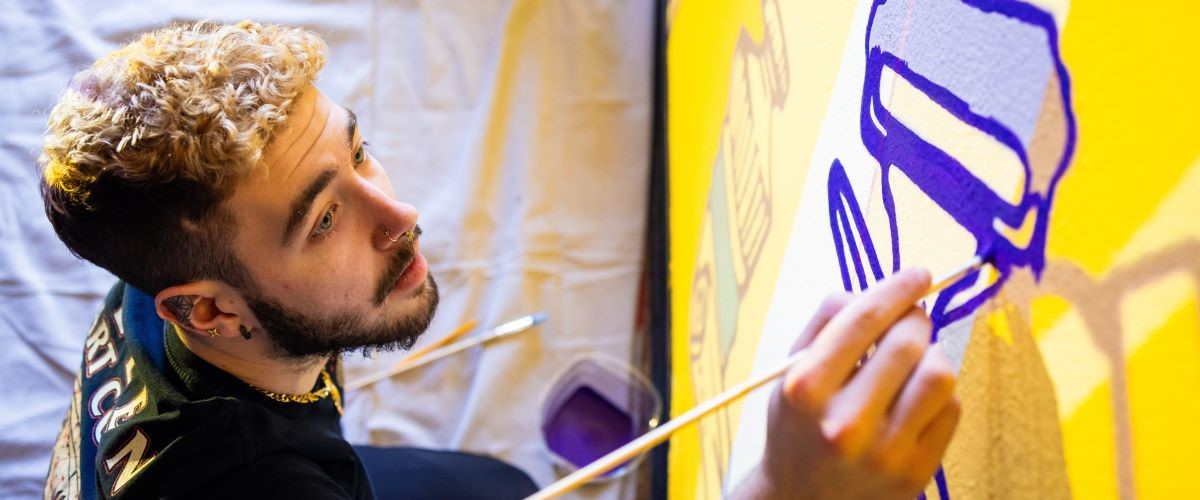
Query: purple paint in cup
x: 598, y: 405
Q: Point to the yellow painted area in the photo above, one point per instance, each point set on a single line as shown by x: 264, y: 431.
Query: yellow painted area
x: 1089, y: 448
x: 1020, y: 235
x: 699, y: 54
x: 1133, y: 189
x: 1045, y: 313
x: 1074, y: 363
x: 998, y: 324
x: 1164, y: 375
x: 1146, y: 311
x: 701, y: 57
x: 1174, y: 219
x: 1133, y: 79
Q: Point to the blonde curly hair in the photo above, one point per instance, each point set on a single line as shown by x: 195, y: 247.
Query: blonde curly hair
x: 156, y: 134
x: 197, y: 102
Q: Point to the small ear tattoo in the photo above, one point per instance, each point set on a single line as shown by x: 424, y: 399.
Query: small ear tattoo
x: 245, y: 331
x: 181, y: 307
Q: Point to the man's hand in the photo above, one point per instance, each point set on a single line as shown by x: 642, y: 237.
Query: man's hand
x: 840, y: 430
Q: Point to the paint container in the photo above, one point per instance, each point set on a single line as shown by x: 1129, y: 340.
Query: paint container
x: 597, y: 405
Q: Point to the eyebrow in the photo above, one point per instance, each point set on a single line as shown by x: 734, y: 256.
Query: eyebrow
x: 303, y: 205
x: 351, y: 126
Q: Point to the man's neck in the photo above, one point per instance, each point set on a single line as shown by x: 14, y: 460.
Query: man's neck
x: 251, y: 364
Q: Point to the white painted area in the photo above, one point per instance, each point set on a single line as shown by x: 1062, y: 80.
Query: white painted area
x: 981, y: 154
x: 809, y: 271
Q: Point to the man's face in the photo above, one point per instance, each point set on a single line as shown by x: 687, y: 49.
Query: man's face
x: 334, y: 257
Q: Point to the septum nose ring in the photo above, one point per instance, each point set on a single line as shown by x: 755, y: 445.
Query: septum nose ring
x: 387, y: 233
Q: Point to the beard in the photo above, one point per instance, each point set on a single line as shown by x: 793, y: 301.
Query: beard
x: 297, y: 335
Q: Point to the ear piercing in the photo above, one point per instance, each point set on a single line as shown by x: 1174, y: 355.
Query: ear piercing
x: 216, y: 332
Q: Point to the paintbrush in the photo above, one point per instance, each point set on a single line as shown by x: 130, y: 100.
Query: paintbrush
x: 511, y: 328
x: 657, y: 436
x: 413, y: 356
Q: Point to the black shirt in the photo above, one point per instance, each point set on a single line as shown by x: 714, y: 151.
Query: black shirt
x: 150, y: 419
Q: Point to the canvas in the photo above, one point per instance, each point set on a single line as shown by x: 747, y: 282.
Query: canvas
x: 817, y: 147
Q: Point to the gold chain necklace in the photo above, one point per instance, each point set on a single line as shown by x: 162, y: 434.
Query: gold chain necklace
x: 311, y: 397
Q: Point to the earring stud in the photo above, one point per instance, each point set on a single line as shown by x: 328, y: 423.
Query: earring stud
x: 214, y: 332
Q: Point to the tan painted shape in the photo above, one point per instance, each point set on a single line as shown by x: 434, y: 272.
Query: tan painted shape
x: 1073, y: 361
x: 707, y: 365
x: 1099, y: 304
x: 1060, y: 343
x: 1008, y: 444
x: 1049, y: 137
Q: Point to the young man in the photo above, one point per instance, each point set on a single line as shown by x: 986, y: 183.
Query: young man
x: 256, y: 240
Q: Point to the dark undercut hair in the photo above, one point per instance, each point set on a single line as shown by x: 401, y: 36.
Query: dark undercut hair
x: 150, y: 236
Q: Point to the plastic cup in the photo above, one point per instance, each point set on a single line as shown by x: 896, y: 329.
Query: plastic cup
x: 598, y: 405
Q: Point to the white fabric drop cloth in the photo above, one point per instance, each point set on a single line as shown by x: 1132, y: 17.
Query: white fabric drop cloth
x: 521, y: 131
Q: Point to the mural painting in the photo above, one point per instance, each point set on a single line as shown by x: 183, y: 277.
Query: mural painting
x: 820, y: 146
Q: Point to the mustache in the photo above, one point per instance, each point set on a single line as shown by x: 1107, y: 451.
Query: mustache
x: 397, y: 264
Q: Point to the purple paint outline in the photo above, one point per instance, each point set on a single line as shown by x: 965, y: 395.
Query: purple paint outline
x: 840, y: 190
x: 940, y: 478
x: 968, y: 200
x: 945, y: 180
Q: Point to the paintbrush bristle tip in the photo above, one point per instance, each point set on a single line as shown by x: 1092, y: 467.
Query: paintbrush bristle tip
x: 986, y: 255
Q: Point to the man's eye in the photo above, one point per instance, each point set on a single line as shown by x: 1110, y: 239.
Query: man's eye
x: 326, y: 222
x: 360, y: 154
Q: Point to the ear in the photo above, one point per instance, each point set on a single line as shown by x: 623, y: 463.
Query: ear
x: 201, y: 307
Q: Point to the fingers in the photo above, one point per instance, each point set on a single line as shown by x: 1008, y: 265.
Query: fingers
x: 826, y: 311
x: 929, y: 390
x: 890, y: 419
x: 856, y: 414
x: 932, y: 443
x: 846, y: 337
